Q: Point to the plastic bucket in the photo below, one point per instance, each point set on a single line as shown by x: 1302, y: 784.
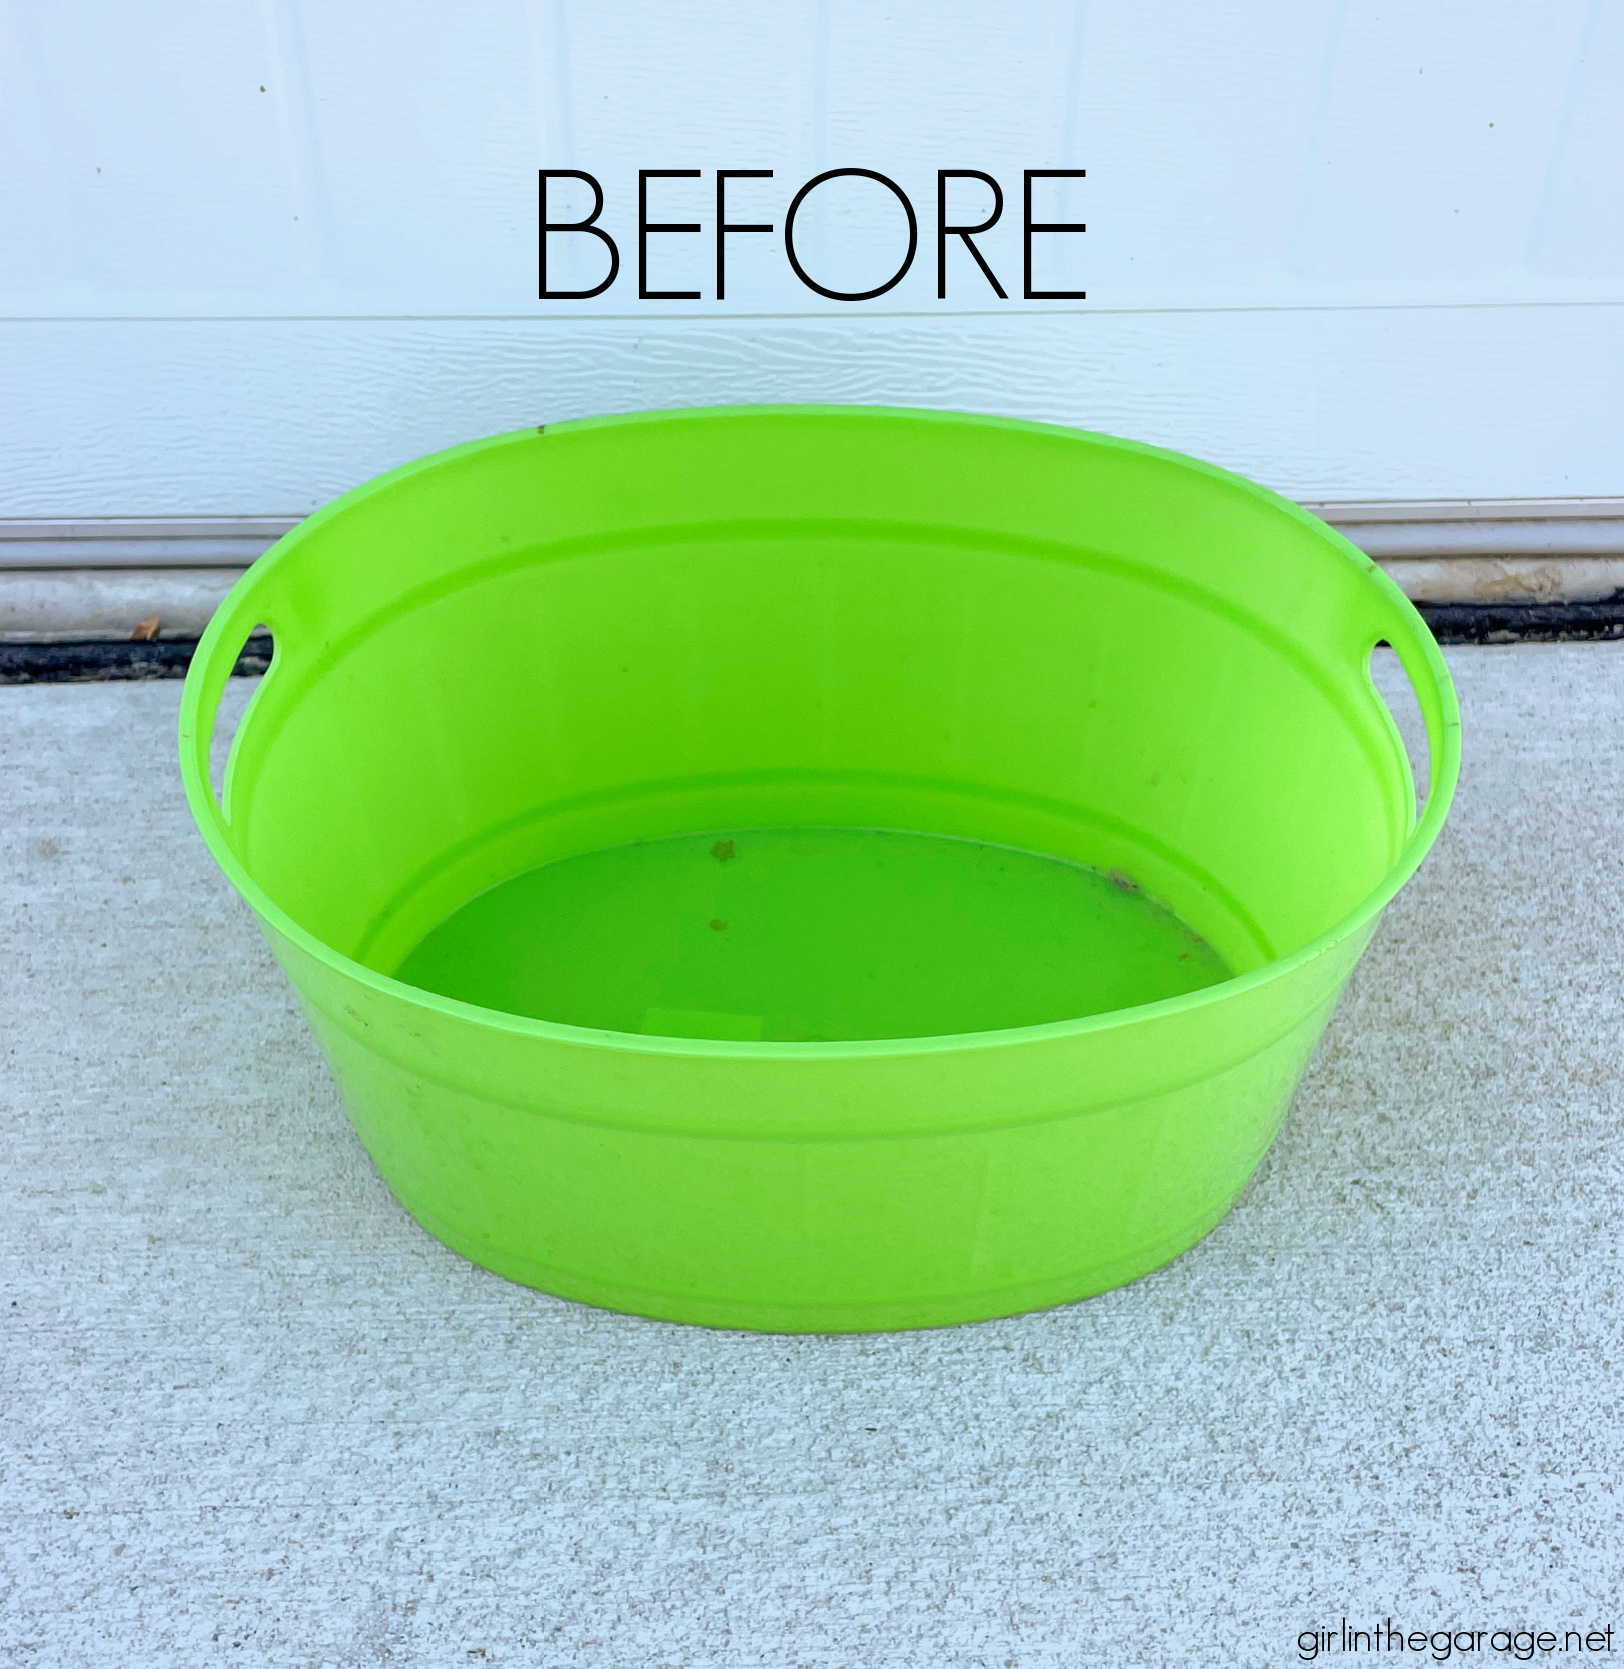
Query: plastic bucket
x: 817, y: 869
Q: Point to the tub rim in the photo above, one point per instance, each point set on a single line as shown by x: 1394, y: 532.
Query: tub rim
x: 1391, y: 617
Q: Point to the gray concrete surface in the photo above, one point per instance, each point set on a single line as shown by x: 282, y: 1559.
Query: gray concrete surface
x: 253, y: 1415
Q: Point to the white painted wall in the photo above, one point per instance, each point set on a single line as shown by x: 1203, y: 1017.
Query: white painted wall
x: 1358, y: 250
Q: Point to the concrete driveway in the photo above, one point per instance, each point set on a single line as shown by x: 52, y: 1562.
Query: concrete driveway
x: 253, y: 1415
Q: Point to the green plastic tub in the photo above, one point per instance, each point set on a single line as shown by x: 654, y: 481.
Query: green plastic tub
x: 817, y: 869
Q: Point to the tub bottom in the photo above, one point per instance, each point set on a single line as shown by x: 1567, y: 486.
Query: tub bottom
x: 812, y: 935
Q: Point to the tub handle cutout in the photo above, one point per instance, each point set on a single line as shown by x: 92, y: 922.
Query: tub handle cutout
x: 228, y: 639
x: 1397, y: 626
x: 1396, y: 693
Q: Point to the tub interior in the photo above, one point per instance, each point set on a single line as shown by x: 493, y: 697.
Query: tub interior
x: 934, y: 765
